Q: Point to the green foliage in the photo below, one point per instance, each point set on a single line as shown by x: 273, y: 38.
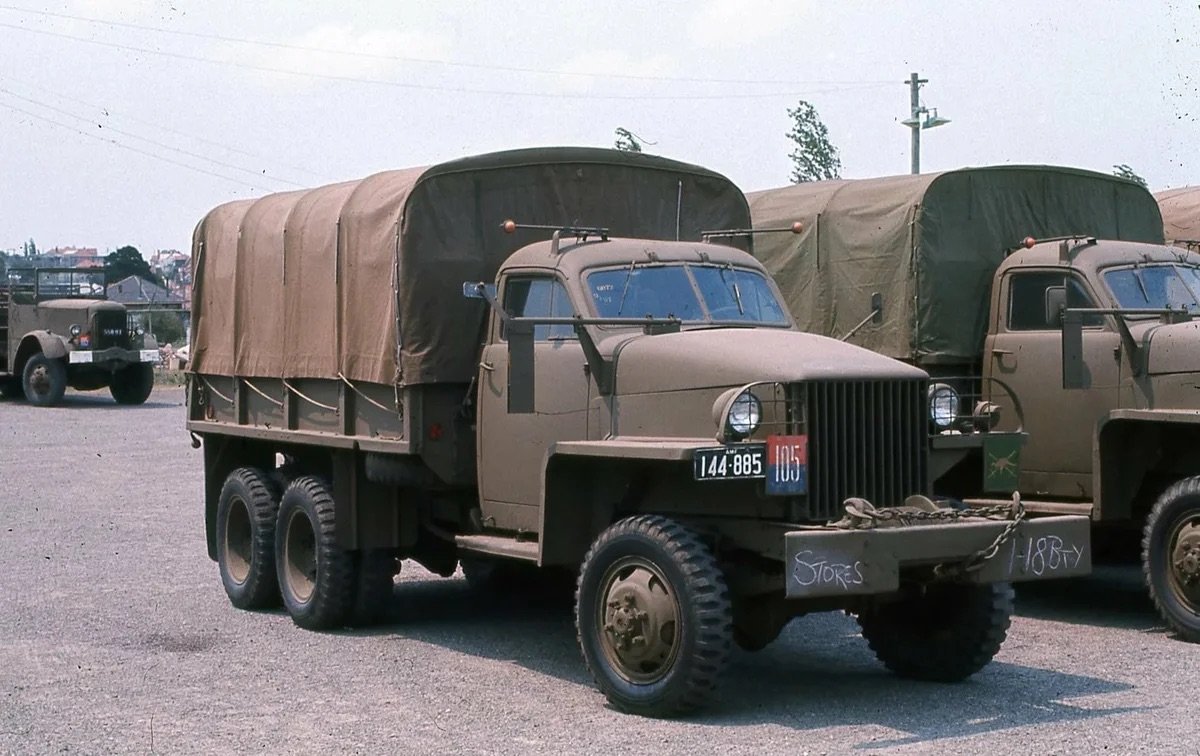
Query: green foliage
x: 1125, y: 172
x: 29, y: 248
x: 814, y: 157
x: 627, y: 141
x: 167, y: 327
x: 127, y: 261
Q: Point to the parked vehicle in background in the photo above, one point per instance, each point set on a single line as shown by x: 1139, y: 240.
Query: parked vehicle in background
x: 1180, y: 210
x: 634, y: 411
x: 1088, y: 323
x: 57, y: 329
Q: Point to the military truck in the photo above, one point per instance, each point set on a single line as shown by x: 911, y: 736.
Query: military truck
x: 58, y: 329
x: 1180, y: 209
x: 379, y: 373
x: 974, y: 281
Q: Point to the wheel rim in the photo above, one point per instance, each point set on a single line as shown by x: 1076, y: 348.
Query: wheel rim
x: 1185, y: 561
x: 300, y: 557
x: 639, y: 621
x: 239, y: 555
x: 39, y: 380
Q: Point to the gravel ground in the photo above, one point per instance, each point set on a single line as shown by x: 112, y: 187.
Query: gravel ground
x: 116, y: 637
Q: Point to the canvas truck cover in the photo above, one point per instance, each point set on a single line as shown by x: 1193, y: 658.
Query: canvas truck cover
x: 1181, y: 213
x: 364, y: 279
x: 929, y: 244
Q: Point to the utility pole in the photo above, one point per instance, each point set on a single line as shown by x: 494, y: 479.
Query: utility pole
x: 914, y: 91
x: 914, y: 122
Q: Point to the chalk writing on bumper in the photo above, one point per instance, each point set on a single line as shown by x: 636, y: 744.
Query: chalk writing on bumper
x: 860, y: 562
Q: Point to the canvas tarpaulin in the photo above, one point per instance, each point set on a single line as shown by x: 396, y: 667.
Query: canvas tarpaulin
x: 1181, y: 213
x: 365, y: 278
x: 929, y: 244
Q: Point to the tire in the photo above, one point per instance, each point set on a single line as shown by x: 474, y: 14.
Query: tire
x: 946, y: 634
x: 44, y: 380
x: 1171, y: 558
x: 246, y: 514
x: 375, y: 575
x: 316, y: 576
x: 653, y: 617
x: 132, y: 384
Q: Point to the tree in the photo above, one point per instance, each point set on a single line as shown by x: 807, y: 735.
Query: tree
x: 30, y: 248
x: 167, y: 327
x: 127, y: 261
x: 627, y: 141
x: 814, y: 157
x: 1125, y: 172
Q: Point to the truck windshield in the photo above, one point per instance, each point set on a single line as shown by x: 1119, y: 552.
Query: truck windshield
x: 1155, y: 286
x: 725, y: 293
x: 40, y: 283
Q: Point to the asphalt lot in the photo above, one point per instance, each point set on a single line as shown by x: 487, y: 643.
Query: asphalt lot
x: 116, y: 637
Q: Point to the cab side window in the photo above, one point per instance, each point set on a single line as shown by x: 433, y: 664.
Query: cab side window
x: 1027, y: 300
x: 540, y: 297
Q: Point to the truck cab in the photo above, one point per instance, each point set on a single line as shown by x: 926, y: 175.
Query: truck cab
x: 58, y: 329
x: 1099, y: 342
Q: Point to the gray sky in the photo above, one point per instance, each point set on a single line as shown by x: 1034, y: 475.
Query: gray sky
x: 219, y: 100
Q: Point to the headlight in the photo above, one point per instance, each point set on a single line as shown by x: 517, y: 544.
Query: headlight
x: 744, y: 415
x: 943, y: 405
x: 140, y: 331
x: 76, y: 330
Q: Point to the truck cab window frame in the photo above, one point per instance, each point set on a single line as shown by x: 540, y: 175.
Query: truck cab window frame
x: 1025, y: 308
x: 539, y: 296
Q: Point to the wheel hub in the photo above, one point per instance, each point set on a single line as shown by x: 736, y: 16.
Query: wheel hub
x: 39, y: 379
x: 1185, y: 557
x: 640, y: 621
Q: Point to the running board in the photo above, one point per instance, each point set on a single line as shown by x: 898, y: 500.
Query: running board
x: 1084, y: 508
x: 501, y: 546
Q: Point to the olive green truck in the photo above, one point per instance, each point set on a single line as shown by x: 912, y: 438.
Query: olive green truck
x: 379, y: 372
x: 1053, y: 283
x: 58, y: 329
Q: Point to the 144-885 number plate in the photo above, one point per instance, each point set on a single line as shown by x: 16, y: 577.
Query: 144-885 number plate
x: 783, y: 461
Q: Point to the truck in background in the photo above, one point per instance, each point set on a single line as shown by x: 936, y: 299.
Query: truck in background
x: 1054, y: 283
x: 379, y: 374
x: 1180, y: 208
x: 58, y: 329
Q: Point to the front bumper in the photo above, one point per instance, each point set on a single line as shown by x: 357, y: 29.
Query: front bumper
x: 869, y: 561
x: 111, y: 355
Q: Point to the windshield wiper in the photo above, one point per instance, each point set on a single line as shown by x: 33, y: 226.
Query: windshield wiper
x: 625, y: 288
x: 737, y: 293
x: 1137, y: 276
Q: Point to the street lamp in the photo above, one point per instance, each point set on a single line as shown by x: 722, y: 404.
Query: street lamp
x: 916, y: 122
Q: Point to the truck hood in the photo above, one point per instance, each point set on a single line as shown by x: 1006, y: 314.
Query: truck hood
x: 716, y: 357
x: 1173, y: 348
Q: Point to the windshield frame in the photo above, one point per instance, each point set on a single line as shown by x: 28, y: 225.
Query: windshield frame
x: 708, y: 321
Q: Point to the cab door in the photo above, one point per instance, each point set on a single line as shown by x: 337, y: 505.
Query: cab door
x: 512, y: 448
x: 1024, y: 351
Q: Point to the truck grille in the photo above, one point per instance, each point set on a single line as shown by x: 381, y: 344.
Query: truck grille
x: 867, y: 439
x: 109, y: 330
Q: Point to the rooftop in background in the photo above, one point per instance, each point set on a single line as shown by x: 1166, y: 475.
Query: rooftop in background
x: 135, y: 291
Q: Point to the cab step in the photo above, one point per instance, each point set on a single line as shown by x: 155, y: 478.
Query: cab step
x: 498, y: 545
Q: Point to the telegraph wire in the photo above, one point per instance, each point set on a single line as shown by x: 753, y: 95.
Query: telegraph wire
x: 108, y: 114
x: 115, y: 143
x: 160, y: 145
x: 428, y: 61
x: 437, y: 88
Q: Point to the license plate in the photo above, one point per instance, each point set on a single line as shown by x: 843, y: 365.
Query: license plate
x: 787, y: 465
x: 730, y: 462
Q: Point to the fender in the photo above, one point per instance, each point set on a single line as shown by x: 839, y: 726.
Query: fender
x: 49, y: 344
x: 1131, y: 444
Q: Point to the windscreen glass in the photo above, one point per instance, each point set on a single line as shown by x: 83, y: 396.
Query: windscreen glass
x: 1154, y: 286
x: 698, y: 293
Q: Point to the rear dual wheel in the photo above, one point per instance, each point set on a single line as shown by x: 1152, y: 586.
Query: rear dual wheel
x: 246, y: 514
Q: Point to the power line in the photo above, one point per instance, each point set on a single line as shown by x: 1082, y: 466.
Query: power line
x: 426, y: 61
x: 105, y: 110
x: 160, y: 145
x: 115, y: 143
x: 436, y: 88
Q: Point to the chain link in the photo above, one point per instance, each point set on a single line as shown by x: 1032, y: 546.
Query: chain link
x: 861, y: 514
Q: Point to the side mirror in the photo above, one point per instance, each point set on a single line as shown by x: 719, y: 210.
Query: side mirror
x: 1056, y: 301
x: 472, y: 290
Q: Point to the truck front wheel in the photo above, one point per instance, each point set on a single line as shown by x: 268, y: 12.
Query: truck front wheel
x: 1171, y: 557
x: 653, y: 617
x: 44, y: 380
x: 945, y: 633
x: 246, y: 514
x: 316, y: 576
x: 132, y: 384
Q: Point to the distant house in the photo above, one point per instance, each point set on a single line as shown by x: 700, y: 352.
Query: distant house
x: 136, y: 293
